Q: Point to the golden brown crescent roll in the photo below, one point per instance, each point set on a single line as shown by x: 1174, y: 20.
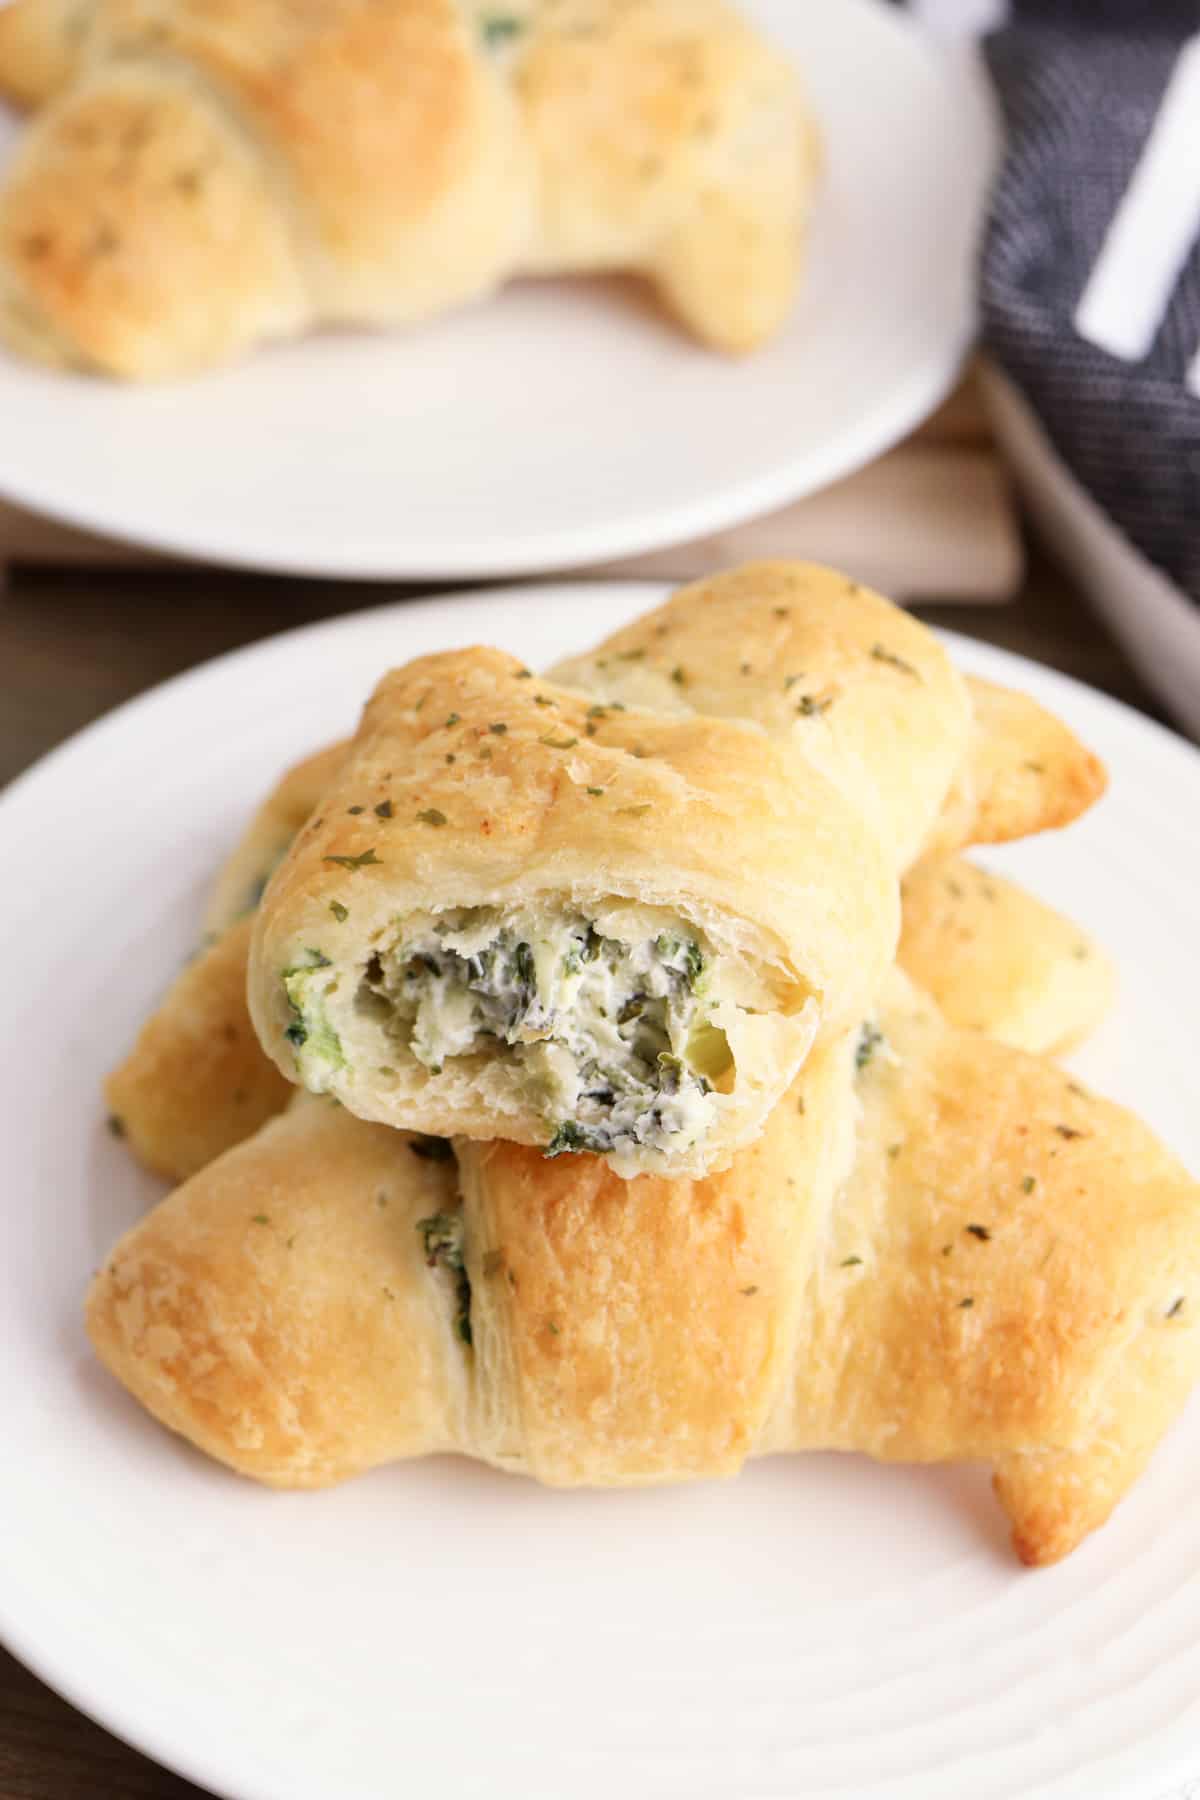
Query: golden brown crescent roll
x: 849, y: 683
x: 196, y: 1080
x: 612, y: 918
x: 1056, y: 1497
x: 213, y: 176
x: 1006, y: 731
x: 815, y: 658
x: 1011, y: 1257
x: 39, y: 46
x: 999, y: 961
x: 476, y: 990
x: 304, y: 1336
x: 524, y: 914
x: 1032, y: 1012
x: 337, y: 1344
x: 1014, y: 768
x: 663, y: 1313
x: 1024, y: 771
x: 994, y: 1264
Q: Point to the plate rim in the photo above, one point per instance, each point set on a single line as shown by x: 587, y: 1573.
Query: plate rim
x: 903, y: 410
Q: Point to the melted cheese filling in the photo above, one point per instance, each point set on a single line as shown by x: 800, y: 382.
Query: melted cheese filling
x: 610, y: 1034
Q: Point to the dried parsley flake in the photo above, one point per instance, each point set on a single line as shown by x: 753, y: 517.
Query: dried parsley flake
x: 882, y: 654
x: 353, y: 862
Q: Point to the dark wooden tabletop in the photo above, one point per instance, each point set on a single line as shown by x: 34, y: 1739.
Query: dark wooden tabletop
x: 74, y: 645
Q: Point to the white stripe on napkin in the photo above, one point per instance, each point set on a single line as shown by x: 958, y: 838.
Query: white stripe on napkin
x: 961, y: 18
x: 1153, y: 228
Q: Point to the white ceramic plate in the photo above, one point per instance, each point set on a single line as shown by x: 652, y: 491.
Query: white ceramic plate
x: 559, y: 424
x: 820, y: 1627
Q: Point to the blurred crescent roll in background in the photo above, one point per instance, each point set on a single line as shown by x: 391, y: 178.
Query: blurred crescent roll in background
x: 203, y: 179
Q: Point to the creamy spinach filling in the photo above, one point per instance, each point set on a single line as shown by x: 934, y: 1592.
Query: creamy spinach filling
x: 316, y: 1045
x: 613, y: 1038
x: 442, y: 1238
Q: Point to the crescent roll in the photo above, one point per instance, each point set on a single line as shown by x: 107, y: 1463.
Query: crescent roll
x: 196, y: 1080
x: 999, y: 961
x: 940, y: 1249
x: 211, y: 177
x: 1009, y: 767
x: 39, y: 49
x: 861, y: 688
x: 1024, y: 771
x: 849, y: 683
x: 519, y: 913
x: 174, y: 1123
x: 754, y: 831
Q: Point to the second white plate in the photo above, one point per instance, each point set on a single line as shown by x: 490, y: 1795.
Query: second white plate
x: 819, y: 1629
x: 560, y: 423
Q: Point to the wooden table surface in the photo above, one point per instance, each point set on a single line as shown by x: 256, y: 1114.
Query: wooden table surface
x: 73, y: 646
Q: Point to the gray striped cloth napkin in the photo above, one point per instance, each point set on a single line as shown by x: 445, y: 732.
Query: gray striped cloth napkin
x: 1090, y: 276
x: 1090, y: 298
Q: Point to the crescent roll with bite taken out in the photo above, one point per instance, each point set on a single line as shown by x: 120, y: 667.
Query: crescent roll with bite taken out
x: 608, y: 921
x: 207, y: 178
x: 939, y: 1250
x: 523, y: 914
x: 1011, y: 978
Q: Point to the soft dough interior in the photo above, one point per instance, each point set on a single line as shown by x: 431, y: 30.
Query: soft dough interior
x: 618, y: 1025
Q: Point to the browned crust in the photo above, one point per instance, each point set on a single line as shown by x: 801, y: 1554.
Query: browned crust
x: 196, y: 1081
